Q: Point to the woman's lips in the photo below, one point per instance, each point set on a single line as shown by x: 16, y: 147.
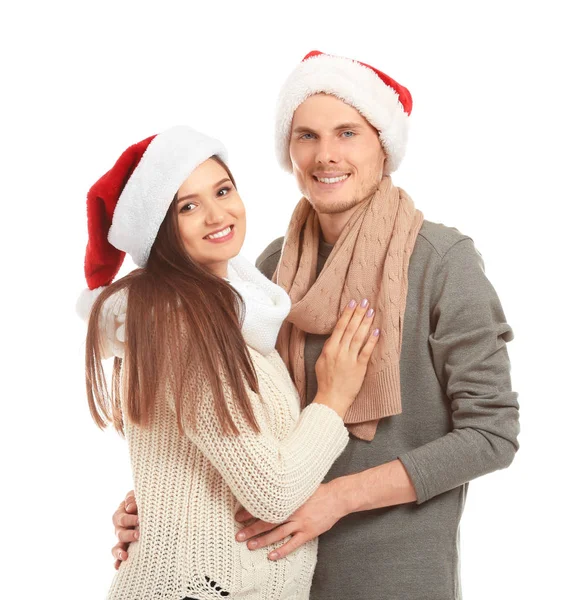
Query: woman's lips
x: 222, y: 239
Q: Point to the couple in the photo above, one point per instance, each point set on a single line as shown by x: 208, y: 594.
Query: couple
x: 213, y: 421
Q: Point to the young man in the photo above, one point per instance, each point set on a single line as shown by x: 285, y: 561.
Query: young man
x: 436, y: 409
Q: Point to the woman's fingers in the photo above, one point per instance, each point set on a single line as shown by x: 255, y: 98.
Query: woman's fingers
x: 342, y: 323
x: 363, y: 332
x: 369, y: 346
x: 348, y: 323
x: 354, y: 323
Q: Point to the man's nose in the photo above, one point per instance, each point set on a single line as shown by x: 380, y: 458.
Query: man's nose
x: 327, y: 152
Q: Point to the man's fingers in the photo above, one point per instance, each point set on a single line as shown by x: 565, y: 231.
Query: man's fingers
x: 243, y: 515
x: 125, y: 521
x: 256, y: 528
x: 296, y: 541
x: 276, y: 535
x: 128, y: 535
x: 119, y: 551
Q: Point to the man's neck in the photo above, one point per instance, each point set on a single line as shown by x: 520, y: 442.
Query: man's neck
x: 333, y: 224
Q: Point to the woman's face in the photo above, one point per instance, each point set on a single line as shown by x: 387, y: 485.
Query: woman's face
x: 211, y: 217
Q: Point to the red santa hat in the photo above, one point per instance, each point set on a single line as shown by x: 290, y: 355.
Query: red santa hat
x: 381, y: 100
x: 125, y: 207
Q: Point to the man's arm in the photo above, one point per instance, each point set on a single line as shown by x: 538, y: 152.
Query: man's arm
x: 468, y: 344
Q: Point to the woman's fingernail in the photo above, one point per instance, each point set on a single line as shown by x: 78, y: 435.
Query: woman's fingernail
x: 253, y: 544
x: 274, y: 555
x: 136, y: 535
x: 241, y: 536
x: 120, y: 556
x: 352, y: 304
x: 128, y: 507
x: 364, y: 303
x: 370, y: 312
x: 376, y: 332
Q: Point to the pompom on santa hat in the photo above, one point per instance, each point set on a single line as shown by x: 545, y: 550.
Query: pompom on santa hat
x: 126, y: 206
x: 381, y: 100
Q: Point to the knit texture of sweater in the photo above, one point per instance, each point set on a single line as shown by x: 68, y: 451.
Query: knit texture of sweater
x: 189, y: 488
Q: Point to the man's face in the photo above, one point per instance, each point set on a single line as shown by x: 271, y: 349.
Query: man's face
x: 336, y: 154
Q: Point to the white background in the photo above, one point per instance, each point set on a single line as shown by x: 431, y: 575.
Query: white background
x: 488, y: 154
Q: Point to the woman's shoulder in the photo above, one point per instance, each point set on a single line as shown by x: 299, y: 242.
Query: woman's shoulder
x: 112, y: 324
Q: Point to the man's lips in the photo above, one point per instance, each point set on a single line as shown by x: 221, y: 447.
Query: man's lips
x: 330, y: 174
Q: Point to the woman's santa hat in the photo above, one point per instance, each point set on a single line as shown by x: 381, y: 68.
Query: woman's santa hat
x: 125, y: 207
x: 381, y: 100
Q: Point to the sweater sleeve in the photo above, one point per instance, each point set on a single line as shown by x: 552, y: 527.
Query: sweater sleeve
x: 468, y: 343
x: 271, y: 478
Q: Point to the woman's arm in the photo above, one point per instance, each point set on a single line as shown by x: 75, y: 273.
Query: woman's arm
x: 270, y: 478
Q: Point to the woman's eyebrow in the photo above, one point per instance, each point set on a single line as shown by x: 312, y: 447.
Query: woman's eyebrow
x: 196, y: 195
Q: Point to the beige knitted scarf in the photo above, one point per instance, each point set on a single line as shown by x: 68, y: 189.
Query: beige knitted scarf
x: 369, y: 260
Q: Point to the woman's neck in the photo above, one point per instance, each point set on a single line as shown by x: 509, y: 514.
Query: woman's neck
x: 219, y: 269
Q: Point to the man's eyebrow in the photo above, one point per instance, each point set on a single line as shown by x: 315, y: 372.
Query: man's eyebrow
x: 196, y: 195
x: 303, y: 128
x: 348, y: 126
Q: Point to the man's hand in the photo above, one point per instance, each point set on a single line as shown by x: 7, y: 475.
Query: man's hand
x: 315, y: 517
x: 126, y: 523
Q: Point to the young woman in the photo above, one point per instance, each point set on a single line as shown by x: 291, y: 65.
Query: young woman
x: 211, y: 417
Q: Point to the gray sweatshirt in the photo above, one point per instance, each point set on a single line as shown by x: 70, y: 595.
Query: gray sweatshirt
x: 459, y: 421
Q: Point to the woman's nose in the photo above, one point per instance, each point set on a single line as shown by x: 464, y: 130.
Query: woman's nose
x: 214, y: 216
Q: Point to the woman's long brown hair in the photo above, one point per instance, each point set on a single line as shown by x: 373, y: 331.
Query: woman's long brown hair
x: 172, y: 294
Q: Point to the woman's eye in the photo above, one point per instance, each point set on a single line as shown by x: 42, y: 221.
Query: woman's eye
x: 187, y: 207
x: 224, y: 191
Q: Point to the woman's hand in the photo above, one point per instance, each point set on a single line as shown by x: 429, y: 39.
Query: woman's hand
x: 343, y: 362
x: 126, y: 523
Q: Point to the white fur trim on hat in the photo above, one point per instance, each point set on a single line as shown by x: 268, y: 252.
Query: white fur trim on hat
x: 86, y: 301
x: 356, y: 85
x: 168, y: 161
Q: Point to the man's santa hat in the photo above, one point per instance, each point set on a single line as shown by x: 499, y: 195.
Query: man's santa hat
x: 125, y: 207
x: 381, y: 100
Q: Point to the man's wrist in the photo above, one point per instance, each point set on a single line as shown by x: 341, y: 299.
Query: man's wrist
x: 346, y: 493
x: 386, y: 485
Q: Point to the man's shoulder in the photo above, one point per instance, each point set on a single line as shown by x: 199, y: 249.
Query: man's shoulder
x: 437, y: 238
x: 269, y: 258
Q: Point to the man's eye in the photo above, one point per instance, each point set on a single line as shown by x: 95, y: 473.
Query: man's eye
x: 306, y: 136
x: 349, y: 134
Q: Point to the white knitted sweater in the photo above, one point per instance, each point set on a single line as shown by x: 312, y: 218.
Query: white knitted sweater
x: 189, y: 487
